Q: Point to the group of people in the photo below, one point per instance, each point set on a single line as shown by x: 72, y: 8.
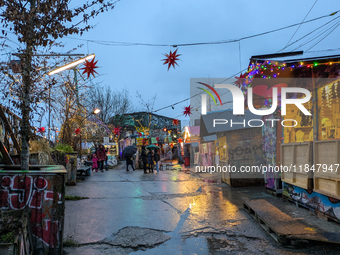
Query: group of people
x: 99, y: 158
x: 148, y: 158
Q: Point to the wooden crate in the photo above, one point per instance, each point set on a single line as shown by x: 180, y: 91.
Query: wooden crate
x: 297, y: 154
x: 327, y: 182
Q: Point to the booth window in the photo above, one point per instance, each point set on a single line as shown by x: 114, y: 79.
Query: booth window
x: 329, y: 112
x: 303, y: 131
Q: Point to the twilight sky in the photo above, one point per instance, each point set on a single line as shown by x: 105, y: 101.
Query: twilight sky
x: 139, y: 68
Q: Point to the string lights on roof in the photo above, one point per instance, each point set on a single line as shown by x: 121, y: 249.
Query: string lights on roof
x: 276, y: 68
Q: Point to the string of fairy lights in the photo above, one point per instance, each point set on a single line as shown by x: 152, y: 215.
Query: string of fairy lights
x: 254, y: 69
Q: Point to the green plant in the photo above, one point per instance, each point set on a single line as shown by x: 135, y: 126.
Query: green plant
x: 9, y: 227
x: 75, y: 198
x: 7, y: 238
x: 70, y: 243
x: 64, y: 148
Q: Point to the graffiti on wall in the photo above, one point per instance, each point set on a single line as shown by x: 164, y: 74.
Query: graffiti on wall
x: 38, y: 194
x: 269, y: 149
x: 245, y: 153
x: 328, y: 205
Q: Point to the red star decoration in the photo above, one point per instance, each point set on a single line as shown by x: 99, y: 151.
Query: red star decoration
x: 41, y: 130
x: 171, y: 59
x: 89, y: 67
x: 175, y: 122
x: 180, y: 140
x: 187, y: 110
x: 240, y: 80
x: 116, y: 130
x: 77, y: 131
x: 140, y: 134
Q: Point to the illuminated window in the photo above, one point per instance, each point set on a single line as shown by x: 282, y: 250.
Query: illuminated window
x: 303, y: 131
x: 329, y: 112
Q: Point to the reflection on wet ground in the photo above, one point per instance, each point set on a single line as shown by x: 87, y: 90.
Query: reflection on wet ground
x: 192, y: 214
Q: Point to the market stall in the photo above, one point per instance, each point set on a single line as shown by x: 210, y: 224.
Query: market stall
x: 309, y: 146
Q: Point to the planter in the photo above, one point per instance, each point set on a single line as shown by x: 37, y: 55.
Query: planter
x: 40, y: 190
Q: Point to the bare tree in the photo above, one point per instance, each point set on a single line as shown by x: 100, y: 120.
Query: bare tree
x: 37, y: 24
x: 110, y: 102
x: 146, y: 105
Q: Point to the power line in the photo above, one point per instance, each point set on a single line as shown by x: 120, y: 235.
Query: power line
x: 309, y: 34
x: 113, y: 43
x: 224, y: 81
x: 300, y: 25
x: 324, y: 37
x: 165, y: 107
x: 319, y: 35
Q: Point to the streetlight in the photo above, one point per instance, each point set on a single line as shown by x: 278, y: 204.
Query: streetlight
x: 62, y: 68
x: 95, y: 111
x: 73, y: 66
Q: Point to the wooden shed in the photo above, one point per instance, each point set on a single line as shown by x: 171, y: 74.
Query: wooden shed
x: 238, y: 147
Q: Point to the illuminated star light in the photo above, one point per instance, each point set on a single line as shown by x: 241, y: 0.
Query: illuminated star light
x: 89, y: 68
x: 187, y: 111
x: 171, y: 59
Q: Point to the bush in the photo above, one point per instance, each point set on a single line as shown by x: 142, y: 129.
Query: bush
x: 65, y: 148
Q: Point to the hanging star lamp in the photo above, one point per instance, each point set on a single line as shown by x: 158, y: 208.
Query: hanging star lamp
x: 116, y: 130
x: 239, y: 80
x: 187, y: 111
x: 171, y: 59
x: 41, y: 130
x: 175, y: 122
x: 77, y: 131
x: 89, y: 68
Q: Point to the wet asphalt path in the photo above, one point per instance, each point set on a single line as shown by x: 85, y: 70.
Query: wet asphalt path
x: 173, y: 212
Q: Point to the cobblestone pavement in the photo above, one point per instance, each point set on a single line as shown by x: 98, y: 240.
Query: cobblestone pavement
x: 173, y: 212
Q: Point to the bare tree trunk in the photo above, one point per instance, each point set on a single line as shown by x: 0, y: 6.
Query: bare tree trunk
x: 25, y: 109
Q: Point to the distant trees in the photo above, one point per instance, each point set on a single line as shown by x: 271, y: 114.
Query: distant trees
x: 110, y: 102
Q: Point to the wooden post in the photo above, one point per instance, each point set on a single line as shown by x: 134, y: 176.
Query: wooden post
x: 315, y: 110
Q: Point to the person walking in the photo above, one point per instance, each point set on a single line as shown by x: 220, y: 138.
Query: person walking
x: 101, y: 154
x: 144, y: 158
x: 129, y: 161
x: 94, y: 163
x: 150, y: 161
x: 156, y: 158
x: 106, y: 159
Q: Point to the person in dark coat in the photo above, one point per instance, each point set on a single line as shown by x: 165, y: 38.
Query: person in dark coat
x: 144, y: 158
x: 156, y: 158
x: 101, y: 155
x: 150, y: 161
x: 129, y: 161
x: 106, y: 159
